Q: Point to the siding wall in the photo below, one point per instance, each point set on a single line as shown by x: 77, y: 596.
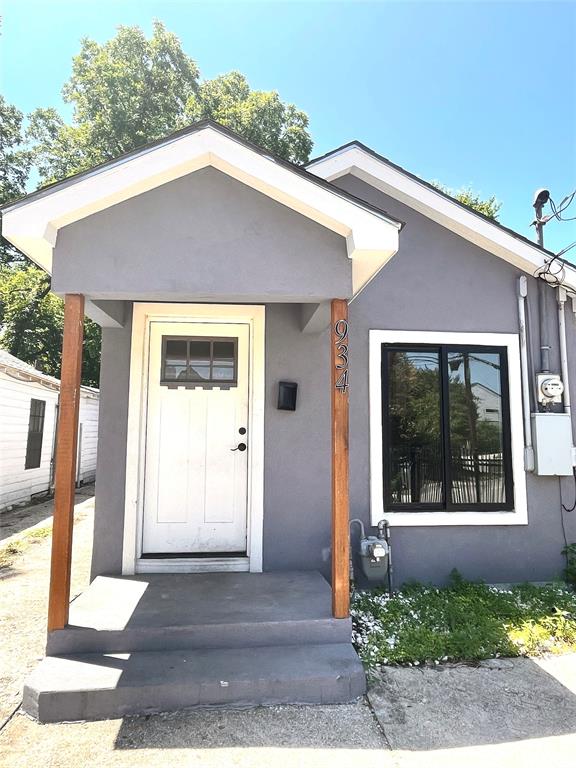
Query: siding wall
x: 18, y: 485
x: 89, y: 407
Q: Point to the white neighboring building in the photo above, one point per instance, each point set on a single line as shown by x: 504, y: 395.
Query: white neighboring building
x: 28, y: 416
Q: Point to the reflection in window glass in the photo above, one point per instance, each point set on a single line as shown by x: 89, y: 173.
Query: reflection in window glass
x: 199, y: 365
x: 476, y: 429
x: 446, y: 436
x: 199, y: 361
x: 175, y: 359
x: 415, y: 427
x: 223, y: 361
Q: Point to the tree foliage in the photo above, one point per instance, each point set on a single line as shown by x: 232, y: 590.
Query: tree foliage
x: 259, y: 116
x: 33, y: 321
x: 15, y: 162
x: 132, y: 90
x: 489, y: 207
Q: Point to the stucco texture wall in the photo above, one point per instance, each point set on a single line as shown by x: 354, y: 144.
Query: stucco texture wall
x: 111, y: 456
x: 204, y: 237
x: 438, y: 281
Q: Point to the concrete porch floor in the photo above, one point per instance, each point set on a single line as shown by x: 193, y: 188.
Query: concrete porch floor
x: 176, y: 599
x: 213, y: 610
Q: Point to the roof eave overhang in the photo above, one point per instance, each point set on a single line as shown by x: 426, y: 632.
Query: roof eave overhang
x: 354, y: 160
x: 32, y: 224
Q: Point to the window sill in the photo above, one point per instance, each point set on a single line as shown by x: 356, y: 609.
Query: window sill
x: 424, y: 519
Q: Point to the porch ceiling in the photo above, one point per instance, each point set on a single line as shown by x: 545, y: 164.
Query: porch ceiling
x: 33, y: 223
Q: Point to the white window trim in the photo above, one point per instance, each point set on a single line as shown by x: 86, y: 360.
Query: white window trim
x: 519, y: 516
x: 143, y: 315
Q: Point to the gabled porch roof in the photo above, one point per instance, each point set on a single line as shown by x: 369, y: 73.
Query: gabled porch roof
x: 32, y: 224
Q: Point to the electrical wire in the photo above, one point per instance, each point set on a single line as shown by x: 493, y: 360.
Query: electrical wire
x: 553, y: 271
x: 565, y: 250
x: 557, y: 211
x: 562, y: 511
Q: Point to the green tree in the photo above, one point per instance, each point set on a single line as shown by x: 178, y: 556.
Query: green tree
x: 132, y: 90
x: 15, y: 162
x: 33, y: 320
x: 259, y: 116
x: 489, y: 207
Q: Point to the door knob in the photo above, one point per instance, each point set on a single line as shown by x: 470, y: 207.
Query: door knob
x: 239, y: 447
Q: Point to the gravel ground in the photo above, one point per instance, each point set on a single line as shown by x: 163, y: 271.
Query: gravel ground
x: 23, y: 601
x: 18, y: 519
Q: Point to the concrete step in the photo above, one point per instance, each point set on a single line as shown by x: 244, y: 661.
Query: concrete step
x: 239, y: 634
x: 100, y: 686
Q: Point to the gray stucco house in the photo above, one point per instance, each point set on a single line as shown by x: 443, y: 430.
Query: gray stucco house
x: 284, y: 349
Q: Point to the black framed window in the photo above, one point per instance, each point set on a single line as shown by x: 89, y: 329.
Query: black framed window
x: 446, y: 428
x: 35, y: 434
x: 197, y: 361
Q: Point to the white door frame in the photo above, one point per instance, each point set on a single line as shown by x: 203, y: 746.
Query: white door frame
x: 143, y: 315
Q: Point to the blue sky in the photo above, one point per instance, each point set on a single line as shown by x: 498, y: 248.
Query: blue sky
x: 480, y: 94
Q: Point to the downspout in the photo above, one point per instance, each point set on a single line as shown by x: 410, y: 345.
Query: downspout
x: 544, y: 334
x: 562, y: 296
x: 528, y: 448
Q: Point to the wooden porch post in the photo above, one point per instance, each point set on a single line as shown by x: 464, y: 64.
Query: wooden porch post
x: 340, y: 494
x: 65, y: 477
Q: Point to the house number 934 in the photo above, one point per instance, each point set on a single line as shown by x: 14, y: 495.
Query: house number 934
x: 341, y: 342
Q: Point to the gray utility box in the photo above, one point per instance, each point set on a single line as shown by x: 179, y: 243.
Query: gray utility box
x: 552, y: 438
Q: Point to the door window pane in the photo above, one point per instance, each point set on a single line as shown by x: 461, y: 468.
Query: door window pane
x: 199, y: 361
x: 175, y: 359
x: 415, y: 450
x: 199, y: 365
x: 476, y: 428
x: 223, y: 361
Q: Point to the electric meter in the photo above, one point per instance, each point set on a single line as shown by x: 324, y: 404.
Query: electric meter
x: 550, y: 388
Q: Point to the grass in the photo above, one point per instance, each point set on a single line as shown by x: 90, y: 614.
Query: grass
x: 9, y: 552
x: 465, y: 621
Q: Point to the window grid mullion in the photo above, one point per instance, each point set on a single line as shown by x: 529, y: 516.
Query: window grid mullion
x: 445, y: 428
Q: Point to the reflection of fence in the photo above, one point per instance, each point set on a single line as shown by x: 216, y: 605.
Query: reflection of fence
x: 417, y: 477
x: 478, y: 478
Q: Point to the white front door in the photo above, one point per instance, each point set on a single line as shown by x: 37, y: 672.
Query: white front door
x: 196, y: 464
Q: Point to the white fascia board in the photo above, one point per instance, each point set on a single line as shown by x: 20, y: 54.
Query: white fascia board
x: 33, y: 226
x: 418, y: 196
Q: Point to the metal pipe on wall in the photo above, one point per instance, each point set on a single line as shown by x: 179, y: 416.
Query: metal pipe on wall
x: 562, y: 296
x: 544, y: 334
x: 528, y: 448
x: 540, y: 201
